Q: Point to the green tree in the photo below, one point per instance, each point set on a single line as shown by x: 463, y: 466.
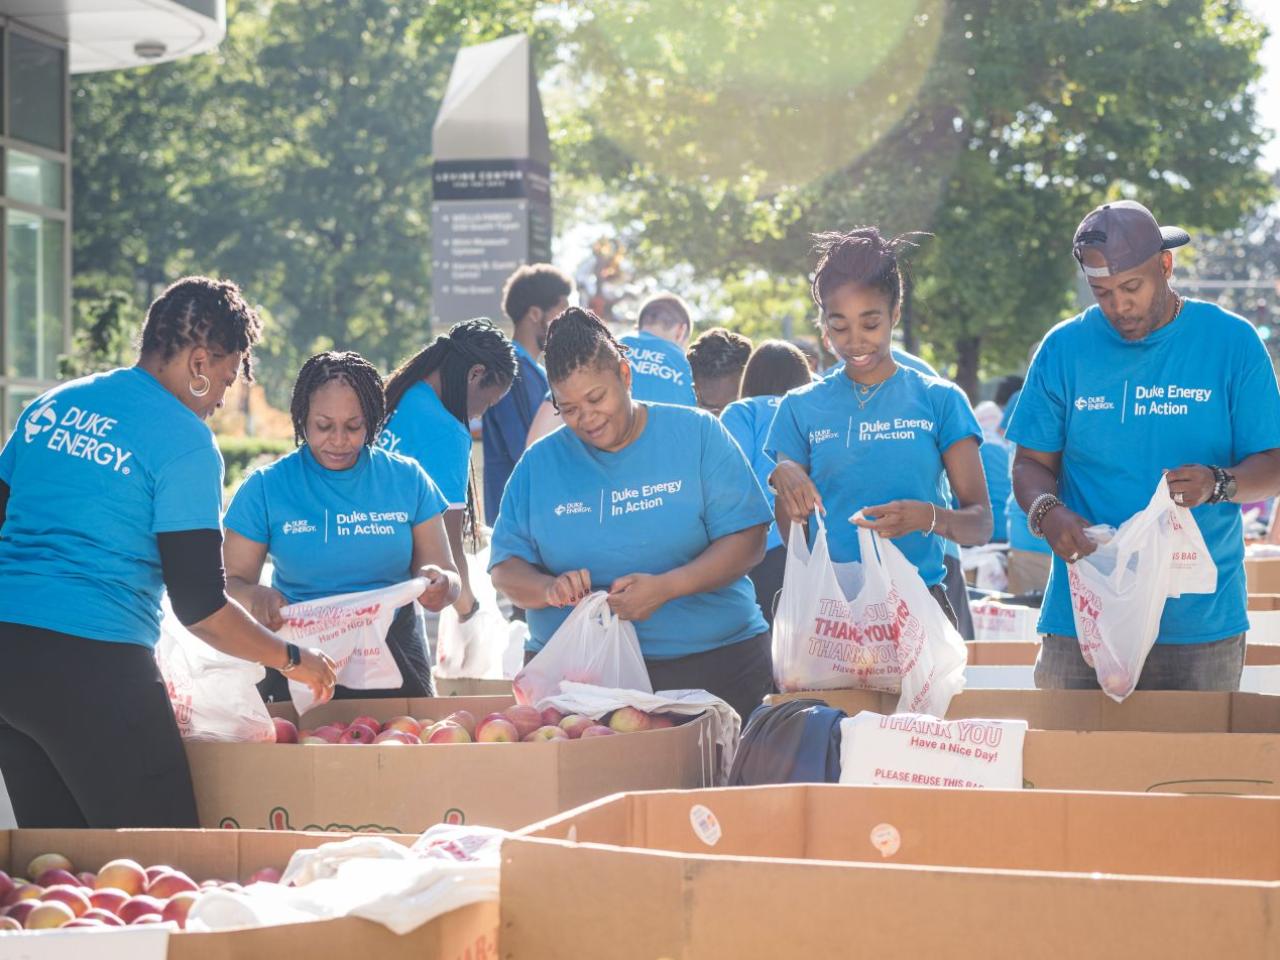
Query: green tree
x: 727, y: 132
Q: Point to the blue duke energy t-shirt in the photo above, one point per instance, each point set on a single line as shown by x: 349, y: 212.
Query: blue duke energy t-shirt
x: 891, y: 449
x: 748, y: 422
x: 660, y: 372
x: 653, y: 506
x: 423, y: 429
x: 97, y: 468
x: 335, y: 531
x: 1200, y: 390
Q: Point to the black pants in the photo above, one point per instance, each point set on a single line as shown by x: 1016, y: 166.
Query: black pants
x: 408, y: 647
x: 766, y: 577
x: 958, y: 594
x: 87, y: 735
x: 740, y: 674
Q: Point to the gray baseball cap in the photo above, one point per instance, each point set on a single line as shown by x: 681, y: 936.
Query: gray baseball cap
x: 1127, y: 236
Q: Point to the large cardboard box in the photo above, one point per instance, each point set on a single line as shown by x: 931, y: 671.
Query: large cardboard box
x: 469, y: 933
x: 471, y: 687
x: 1154, y: 742
x: 373, y: 788
x: 1264, y: 619
x: 1262, y: 574
x: 831, y: 871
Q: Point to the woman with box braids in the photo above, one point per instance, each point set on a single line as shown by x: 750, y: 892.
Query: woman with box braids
x: 877, y: 440
x: 653, y: 503
x: 340, y: 515
x: 431, y: 400
x: 111, y: 495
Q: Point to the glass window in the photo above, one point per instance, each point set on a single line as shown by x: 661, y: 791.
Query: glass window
x: 33, y: 179
x: 35, y: 287
x: 16, y: 401
x: 37, y: 84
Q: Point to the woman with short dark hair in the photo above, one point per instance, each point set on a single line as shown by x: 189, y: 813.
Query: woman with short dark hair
x: 111, y: 492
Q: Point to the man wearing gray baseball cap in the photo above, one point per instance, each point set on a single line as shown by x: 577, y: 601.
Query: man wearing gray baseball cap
x: 1144, y: 382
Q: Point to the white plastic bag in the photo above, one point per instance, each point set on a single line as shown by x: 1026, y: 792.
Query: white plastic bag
x: 1118, y: 592
x: 476, y: 648
x: 214, y: 695
x: 867, y: 625
x: 592, y: 646
x: 352, y: 629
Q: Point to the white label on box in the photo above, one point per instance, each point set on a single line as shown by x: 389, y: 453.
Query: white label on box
x: 886, y: 838
x: 134, y: 943
x: 911, y: 749
x: 705, y: 824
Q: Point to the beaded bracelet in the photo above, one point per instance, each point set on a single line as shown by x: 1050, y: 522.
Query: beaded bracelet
x: 1040, y: 508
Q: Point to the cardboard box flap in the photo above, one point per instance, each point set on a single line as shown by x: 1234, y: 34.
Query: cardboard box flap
x: 1264, y: 601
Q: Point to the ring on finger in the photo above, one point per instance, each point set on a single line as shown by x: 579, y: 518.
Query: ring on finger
x: 1074, y: 557
x: 1177, y: 498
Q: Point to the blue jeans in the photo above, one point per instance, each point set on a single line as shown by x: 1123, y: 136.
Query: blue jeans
x: 1169, y: 666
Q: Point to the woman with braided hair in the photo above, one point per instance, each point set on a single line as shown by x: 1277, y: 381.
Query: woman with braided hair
x: 878, y: 437
x: 341, y: 515
x: 654, y: 503
x: 111, y: 492
x: 430, y: 401
x: 717, y: 359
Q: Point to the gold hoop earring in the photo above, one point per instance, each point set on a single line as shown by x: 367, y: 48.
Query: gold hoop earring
x: 204, y: 390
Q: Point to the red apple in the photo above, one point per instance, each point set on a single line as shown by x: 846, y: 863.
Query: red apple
x: 552, y: 717
x: 48, y: 916
x: 170, y: 885
x: 496, y: 715
x: 126, y: 875
x: 108, y: 899
x: 156, y: 872
x: 73, y: 897
x: 466, y: 720
x: 547, y: 732
x: 178, y: 907
x: 597, y: 730
x: 524, y: 718
x: 358, y: 733
x: 82, y: 924
x: 395, y: 736
x: 21, y: 910
x: 147, y: 918
x: 87, y: 879
x: 574, y: 725
x: 140, y: 906
x: 8, y: 924
x: 48, y: 861
x: 28, y: 891
x: 405, y: 725
x: 7, y: 886
x: 629, y: 720
x: 286, y: 732
x: 497, y: 730
x: 661, y: 721
x: 265, y: 875
x: 369, y: 722
x: 329, y: 732
x: 106, y: 917
x: 56, y: 876
x: 315, y: 741
x: 448, y: 732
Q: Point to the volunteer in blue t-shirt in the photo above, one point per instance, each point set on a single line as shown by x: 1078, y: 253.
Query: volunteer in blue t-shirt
x: 655, y: 352
x: 717, y: 359
x: 533, y: 296
x: 652, y: 502
x: 1146, y: 381
x: 431, y: 399
x: 878, y: 438
x: 775, y: 367
x: 110, y: 492
x: 340, y: 515
x: 996, y: 465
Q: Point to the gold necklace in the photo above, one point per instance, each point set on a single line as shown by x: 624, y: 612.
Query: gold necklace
x: 869, y: 393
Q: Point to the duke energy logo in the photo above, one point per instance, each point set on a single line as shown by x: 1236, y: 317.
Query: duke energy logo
x: 1094, y: 403
x: 41, y: 420
x: 576, y: 507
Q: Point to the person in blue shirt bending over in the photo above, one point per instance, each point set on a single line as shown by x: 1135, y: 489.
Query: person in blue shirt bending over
x: 111, y: 493
x: 654, y: 503
x: 430, y: 400
x: 341, y: 515
x: 879, y: 437
x: 775, y: 367
x: 533, y: 296
x: 1146, y: 382
x: 655, y: 352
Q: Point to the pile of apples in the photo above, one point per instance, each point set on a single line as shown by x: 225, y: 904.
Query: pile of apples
x: 516, y: 723
x: 123, y: 893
